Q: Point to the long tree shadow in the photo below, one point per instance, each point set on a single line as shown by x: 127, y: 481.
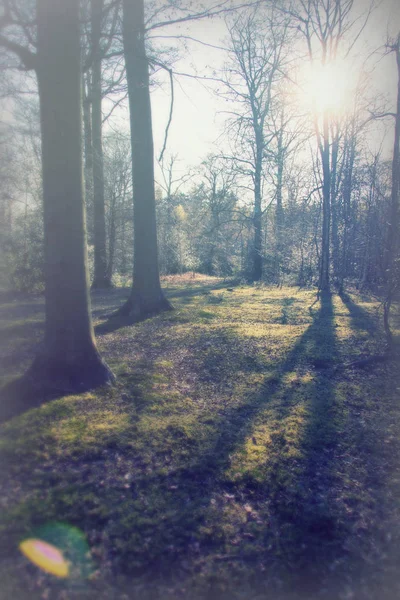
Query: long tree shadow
x: 196, y: 291
x: 295, y: 490
x: 359, y: 317
x: 297, y: 529
x: 115, y: 322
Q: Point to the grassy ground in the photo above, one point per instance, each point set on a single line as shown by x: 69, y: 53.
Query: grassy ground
x: 235, y: 458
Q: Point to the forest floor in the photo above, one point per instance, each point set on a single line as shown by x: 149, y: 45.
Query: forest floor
x: 239, y: 455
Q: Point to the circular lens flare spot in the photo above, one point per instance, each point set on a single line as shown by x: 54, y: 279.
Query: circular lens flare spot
x: 45, y: 556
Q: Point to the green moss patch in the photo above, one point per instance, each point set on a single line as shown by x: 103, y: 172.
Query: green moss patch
x: 234, y: 458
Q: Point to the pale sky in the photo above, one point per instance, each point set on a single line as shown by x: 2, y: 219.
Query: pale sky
x: 196, y: 123
x: 197, y: 120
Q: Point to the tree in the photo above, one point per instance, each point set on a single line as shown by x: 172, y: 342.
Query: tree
x: 146, y: 297
x: 167, y: 212
x: 101, y: 278
x: 69, y: 359
x: 392, y: 262
x: 216, y: 197
x: 118, y: 188
x: 324, y: 25
x: 257, y: 43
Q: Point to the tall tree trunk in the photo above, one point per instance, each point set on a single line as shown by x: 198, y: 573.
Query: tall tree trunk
x: 257, y: 216
x: 100, y: 279
x: 69, y: 359
x: 279, y: 216
x: 364, y: 283
x: 347, y: 192
x: 393, y: 234
x: 335, y: 208
x: 112, y: 235
x: 147, y: 297
x: 87, y: 133
x: 326, y: 208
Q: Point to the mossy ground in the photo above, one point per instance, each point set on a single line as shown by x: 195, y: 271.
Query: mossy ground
x: 234, y: 458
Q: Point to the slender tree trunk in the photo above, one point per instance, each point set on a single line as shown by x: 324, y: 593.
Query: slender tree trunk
x: 69, y: 359
x: 101, y: 279
x: 279, y: 216
x: 123, y: 267
x: 111, y: 239
x: 326, y: 208
x: 147, y: 297
x: 87, y: 132
x: 393, y: 234
x: 364, y: 283
x: 257, y: 217
x: 347, y: 192
x: 169, y: 250
x: 212, y: 243
x: 335, y: 209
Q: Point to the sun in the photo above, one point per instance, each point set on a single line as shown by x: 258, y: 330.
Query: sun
x: 327, y: 88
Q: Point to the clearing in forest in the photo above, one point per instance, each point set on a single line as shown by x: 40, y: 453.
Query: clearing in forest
x: 239, y: 455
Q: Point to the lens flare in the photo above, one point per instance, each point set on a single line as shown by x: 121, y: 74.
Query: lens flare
x: 60, y: 549
x: 45, y: 556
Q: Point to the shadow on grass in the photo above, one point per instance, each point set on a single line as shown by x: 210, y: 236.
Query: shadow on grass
x: 105, y: 301
x: 199, y: 291
x: 26, y: 329
x: 19, y: 396
x: 167, y: 514
x: 359, y: 317
x: 302, y: 526
x: 186, y: 296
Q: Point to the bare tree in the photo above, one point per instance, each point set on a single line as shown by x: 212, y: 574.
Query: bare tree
x: 324, y: 26
x: 118, y: 187
x: 257, y: 45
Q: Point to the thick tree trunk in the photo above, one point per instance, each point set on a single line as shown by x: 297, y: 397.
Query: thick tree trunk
x: 100, y: 279
x: 69, y: 359
x: 147, y: 297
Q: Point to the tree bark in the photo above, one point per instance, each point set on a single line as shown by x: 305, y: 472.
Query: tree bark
x: 393, y: 234
x: 279, y: 215
x: 101, y: 278
x: 324, y: 283
x: 87, y: 134
x: 69, y: 359
x: 257, y: 216
x: 112, y: 237
x: 347, y: 192
x: 335, y: 207
x: 147, y: 297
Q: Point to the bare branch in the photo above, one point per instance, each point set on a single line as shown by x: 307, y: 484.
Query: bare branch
x: 28, y: 58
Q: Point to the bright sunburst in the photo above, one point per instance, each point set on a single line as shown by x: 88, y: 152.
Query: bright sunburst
x: 327, y: 88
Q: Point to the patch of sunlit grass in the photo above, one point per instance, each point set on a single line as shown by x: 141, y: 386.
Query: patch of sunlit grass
x: 228, y: 434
